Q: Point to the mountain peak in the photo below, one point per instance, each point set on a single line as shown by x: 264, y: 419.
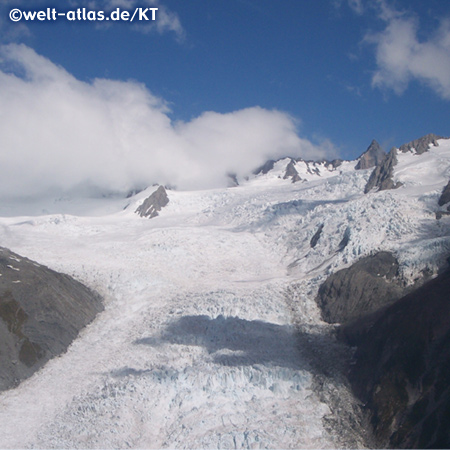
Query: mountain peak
x: 371, y: 157
x: 382, y: 175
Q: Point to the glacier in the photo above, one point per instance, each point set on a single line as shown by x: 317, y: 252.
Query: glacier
x: 211, y: 336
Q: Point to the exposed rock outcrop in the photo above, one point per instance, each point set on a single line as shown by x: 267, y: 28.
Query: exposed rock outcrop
x: 445, y: 196
x: 291, y: 172
x: 381, y: 177
x: 371, y: 157
x: 401, y: 369
x: 133, y: 192
x: 315, y: 239
x: 366, y: 286
x: 232, y: 180
x: 297, y: 168
x: 345, y: 239
x: 420, y: 145
x: 153, y: 204
x: 335, y: 163
x: 265, y: 168
x: 41, y: 313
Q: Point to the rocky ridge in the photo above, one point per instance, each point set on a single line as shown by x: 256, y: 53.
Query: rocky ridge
x: 383, y: 163
x: 421, y: 145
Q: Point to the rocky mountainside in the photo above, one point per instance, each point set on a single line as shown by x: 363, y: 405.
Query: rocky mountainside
x: 368, y: 285
x: 401, y: 368
x: 41, y: 313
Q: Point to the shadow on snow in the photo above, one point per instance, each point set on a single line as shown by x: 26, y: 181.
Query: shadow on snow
x: 232, y: 341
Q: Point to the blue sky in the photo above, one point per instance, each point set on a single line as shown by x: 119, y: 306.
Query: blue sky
x: 344, y: 71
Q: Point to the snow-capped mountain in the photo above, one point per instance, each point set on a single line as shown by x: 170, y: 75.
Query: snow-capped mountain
x: 212, y: 334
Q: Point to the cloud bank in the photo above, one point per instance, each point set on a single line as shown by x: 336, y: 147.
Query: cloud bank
x: 60, y: 133
x: 401, y: 57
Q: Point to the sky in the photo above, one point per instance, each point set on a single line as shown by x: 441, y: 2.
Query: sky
x: 212, y: 87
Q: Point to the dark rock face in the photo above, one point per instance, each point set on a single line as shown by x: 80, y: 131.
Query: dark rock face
x: 316, y: 237
x: 335, y: 163
x: 41, y: 313
x: 133, y: 192
x: 441, y: 214
x: 371, y: 157
x: 366, y: 286
x: 445, y: 196
x: 291, y: 172
x: 421, y: 145
x: 381, y: 176
x: 232, y: 180
x: 345, y: 239
x: 154, y: 203
x: 265, y: 168
x: 401, y: 369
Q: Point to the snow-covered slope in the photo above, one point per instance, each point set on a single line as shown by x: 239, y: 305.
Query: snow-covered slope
x: 211, y: 337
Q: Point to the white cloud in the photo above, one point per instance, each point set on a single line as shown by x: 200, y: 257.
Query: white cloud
x: 401, y: 57
x: 57, y: 132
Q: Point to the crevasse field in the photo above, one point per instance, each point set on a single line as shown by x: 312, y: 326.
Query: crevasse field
x: 211, y: 337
